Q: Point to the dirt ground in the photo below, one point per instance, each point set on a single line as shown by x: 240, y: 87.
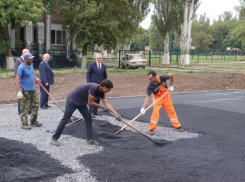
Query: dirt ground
x: 126, y: 84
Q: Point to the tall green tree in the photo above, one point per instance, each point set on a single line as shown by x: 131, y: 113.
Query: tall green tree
x: 16, y: 11
x: 140, y: 41
x: 220, y: 32
x: 155, y: 38
x: 166, y: 19
x: 189, y: 8
x: 241, y: 9
x: 201, y: 33
x: 102, y: 22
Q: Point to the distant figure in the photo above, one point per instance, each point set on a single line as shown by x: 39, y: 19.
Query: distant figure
x: 25, y: 79
x: 17, y: 63
x: 46, y: 76
x: 96, y: 73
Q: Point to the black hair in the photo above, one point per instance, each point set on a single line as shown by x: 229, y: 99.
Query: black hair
x: 106, y: 83
x: 153, y: 73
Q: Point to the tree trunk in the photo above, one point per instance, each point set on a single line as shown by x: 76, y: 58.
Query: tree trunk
x: 166, y: 49
x: 109, y: 54
x: 84, y: 56
x: 9, y: 56
x: 186, y: 33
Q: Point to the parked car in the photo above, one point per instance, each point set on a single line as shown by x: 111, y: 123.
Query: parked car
x: 133, y: 61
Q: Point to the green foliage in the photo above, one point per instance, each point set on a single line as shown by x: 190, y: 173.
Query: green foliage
x: 155, y: 38
x: 201, y: 33
x: 103, y: 22
x: 17, y: 11
x: 221, y: 30
x: 238, y: 34
x: 140, y: 41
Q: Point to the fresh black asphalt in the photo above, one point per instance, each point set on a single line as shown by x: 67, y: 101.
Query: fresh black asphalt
x: 217, y: 154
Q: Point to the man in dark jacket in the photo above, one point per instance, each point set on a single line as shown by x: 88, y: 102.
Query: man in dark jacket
x: 96, y: 73
x: 46, y: 76
x: 17, y: 63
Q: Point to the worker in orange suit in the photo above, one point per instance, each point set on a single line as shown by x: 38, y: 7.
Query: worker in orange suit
x: 158, y: 86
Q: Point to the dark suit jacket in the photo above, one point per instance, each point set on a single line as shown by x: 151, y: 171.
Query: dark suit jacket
x: 94, y: 75
x: 45, y: 73
x: 17, y: 63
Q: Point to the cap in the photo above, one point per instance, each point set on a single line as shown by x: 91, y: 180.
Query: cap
x: 28, y: 56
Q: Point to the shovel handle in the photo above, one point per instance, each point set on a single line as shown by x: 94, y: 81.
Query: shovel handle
x: 141, y: 114
x: 142, y: 133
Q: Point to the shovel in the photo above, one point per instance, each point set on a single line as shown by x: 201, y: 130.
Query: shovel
x: 141, y: 114
x: 158, y: 142
x: 58, y: 104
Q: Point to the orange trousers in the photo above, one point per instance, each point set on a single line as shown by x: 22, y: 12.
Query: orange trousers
x: 167, y: 104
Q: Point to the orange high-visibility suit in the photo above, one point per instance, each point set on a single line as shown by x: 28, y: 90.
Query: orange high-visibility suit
x: 167, y: 104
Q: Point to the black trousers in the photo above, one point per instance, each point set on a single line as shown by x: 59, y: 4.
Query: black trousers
x: 94, y: 110
x: 44, y: 96
x: 69, y: 110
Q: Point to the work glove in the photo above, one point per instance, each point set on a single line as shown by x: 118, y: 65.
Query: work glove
x: 142, y: 111
x: 105, y: 109
x: 118, y: 117
x: 37, y: 80
x: 20, y: 95
x: 170, y: 88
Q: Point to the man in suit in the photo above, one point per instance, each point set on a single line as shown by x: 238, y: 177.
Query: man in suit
x: 17, y: 63
x: 46, y: 76
x: 96, y: 73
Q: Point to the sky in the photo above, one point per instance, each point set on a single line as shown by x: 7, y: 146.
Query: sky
x: 213, y: 9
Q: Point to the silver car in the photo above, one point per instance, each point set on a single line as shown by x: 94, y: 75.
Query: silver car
x: 133, y: 61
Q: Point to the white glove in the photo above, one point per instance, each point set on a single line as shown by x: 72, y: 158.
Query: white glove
x: 170, y: 88
x: 142, y: 111
x: 19, y: 95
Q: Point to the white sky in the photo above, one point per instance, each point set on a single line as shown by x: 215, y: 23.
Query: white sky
x: 213, y: 9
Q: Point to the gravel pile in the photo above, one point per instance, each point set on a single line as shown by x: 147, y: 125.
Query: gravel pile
x: 71, y: 148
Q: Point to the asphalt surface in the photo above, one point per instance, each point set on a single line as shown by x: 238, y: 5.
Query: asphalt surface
x: 211, y: 148
x: 217, y: 154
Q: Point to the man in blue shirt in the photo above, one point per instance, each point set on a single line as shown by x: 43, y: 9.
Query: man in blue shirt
x: 26, y: 92
x: 79, y: 98
x: 17, y: 63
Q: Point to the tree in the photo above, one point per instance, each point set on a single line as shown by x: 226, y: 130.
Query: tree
x: 221, y: 30
x: 16, y: 11
x: 166, y: 19
x: 189, y: 8
x: 241, y: 9
x: 140, y: 41
x: 201, y: 33
x: 102, y: 22
x: 155, y: 38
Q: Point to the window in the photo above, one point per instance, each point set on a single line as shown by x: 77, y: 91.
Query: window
x: 34, y: 34
x: 58, y: 37
x: 22, y: 35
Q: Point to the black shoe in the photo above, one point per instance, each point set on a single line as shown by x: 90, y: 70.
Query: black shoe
x: 48, y: 106
x: 36, y: 124
x: 97, y: 114
x: 44, y: 107
x: 151, y: 132
x: 179, y: 129
x: 92, y: 142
